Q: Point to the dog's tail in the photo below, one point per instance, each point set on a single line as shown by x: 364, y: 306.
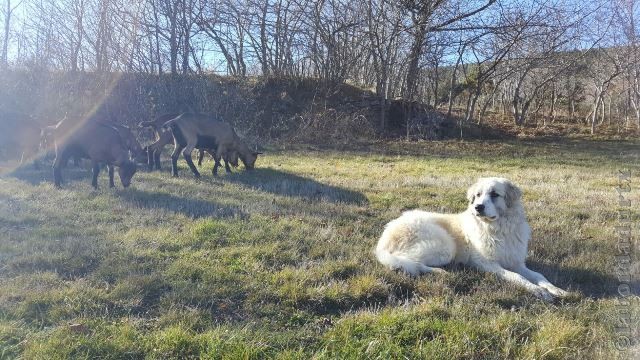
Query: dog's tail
x: 399, y: 262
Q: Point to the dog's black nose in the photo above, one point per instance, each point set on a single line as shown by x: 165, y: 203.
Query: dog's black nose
x: 479, y: 208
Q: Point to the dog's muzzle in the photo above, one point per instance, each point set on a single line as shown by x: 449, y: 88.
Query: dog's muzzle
x: 479, y: 212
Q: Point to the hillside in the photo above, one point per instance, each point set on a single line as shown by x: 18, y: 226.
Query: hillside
x: 265, y: 110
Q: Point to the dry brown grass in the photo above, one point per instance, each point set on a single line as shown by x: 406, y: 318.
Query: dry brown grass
x: 277, y: 263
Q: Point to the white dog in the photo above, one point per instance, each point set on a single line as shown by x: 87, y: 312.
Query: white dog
x: 491, y: 235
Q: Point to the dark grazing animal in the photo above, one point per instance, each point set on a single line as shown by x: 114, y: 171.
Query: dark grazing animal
x: 200, y: 131
x: 165, y: 137
x: 130, y: 141
x: 47, y: 144
x: 162, y: 138
x: 230, y: 158
x: 19, y: 137
x: 97, y: 141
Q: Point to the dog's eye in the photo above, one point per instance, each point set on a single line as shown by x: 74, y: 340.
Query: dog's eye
x: 478, y: 194
x: 494, y: 194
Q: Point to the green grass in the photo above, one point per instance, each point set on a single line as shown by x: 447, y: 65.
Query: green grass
x: 277, y: 263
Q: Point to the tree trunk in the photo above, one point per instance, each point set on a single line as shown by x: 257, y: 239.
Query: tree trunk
x: 4, y: 61
x: 516, y: 106
x: 414, y: 57
x: 452, y: 83
x: 594, y: 113
x: 572, y: 104
x: 263, y: 40
x: 554, y: 98
x: 436, y: 82
x: 471, y: 105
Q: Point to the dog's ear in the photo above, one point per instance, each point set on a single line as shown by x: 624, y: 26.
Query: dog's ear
x: 512, y: 193
x: 471, y: 193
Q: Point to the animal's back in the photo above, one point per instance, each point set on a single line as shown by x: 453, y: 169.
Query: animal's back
x: 414, y: 241
x: 90, y: 138
x: 205, y: 126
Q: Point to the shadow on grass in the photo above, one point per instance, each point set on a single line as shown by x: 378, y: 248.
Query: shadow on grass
x: 28, y: 173
x: 590, y: 283
x: 70, y: 173
x: 194, y: 208
x: 287, y: 184
x: 43, y: 173
x: 465, y: 280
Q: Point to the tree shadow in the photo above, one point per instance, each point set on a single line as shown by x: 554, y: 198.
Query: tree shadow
x: 194, y: 208
x: 287, y: 184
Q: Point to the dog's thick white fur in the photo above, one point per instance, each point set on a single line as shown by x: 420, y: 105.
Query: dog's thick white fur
x: 491, y: 235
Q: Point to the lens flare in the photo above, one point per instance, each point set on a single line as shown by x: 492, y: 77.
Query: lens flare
x: 10, y: 162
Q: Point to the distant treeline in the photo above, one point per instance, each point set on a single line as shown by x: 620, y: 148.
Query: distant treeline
x: 258, y: 107
x: 523, y: 59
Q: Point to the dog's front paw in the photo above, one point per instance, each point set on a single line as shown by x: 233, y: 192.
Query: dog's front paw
x: 543, y: 294
x: 556, y: 291
x: 439, y: 271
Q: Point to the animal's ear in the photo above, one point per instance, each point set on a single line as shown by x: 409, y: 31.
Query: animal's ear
x: 512, y: 193
x: 471, y: 193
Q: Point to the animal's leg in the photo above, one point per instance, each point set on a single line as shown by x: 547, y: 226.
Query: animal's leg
x: 515, y: 278
x: 110, y: 168
x: 422, y: 269
x: 57, y: 176
x: 226, y: 163
x: 216, y: 157
x: 186, y: 153
x: 156, y: 158
x: 216, y: 165
x: 213, y: 156
x: 540, y: 280
x: 96, y: 171
x: 58, y: 163
x: 200, y: 157
x: 174, y: 159
x: 150, y: 157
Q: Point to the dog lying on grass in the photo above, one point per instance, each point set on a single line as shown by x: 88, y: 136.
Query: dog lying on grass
x: 492, y: 235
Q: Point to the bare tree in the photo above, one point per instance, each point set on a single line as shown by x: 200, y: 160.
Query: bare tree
x: 604, y: 69
x: 625, y: 16
x: 7, y: 13
x: 384, y: 21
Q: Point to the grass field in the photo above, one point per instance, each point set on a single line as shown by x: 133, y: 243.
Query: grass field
x: 277, y: 262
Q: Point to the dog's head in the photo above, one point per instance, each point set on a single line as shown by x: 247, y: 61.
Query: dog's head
x: 490, y: 198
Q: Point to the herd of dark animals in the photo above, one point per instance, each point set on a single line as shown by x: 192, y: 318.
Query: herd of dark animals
x: 107, y: 143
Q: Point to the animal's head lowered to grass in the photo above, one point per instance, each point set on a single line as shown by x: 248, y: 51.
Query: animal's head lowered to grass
x: 249, y: 159
x: 126, y: 172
